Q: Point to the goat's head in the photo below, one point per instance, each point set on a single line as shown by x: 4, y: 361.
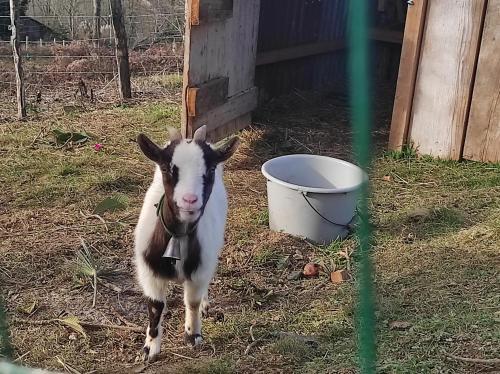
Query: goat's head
x: 188, y: 167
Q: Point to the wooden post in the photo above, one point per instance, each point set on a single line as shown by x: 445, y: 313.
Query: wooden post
x: 121, y: 49
x: 110, y: 28
x: 97, y: 22
x: 41, y: 42
x: 21, y: 103
x: 26, y: 41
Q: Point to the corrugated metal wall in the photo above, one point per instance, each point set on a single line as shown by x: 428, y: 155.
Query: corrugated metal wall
x: 291, y: 23
x: 288, y: 23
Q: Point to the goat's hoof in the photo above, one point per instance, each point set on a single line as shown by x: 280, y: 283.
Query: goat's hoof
x: 193, y: 340
x: 149, y: 356
x: 145, y: 354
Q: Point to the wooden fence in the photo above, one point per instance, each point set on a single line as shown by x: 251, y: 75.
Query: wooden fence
x: 447, y: 101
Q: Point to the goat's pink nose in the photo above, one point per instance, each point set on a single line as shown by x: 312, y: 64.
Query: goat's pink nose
x: 190, y: 198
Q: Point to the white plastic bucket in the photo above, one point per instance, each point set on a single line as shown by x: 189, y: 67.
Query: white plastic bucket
x: 313, y: 197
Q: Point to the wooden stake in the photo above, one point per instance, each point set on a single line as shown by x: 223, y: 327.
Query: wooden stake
x: 18, y: 66
x: 97, y: 22
x: 121, y: 49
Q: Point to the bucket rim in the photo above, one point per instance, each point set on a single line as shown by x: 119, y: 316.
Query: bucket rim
x: 320, y: 190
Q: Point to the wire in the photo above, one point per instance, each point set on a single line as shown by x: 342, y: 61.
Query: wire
x: 34, y: 57
x: 35, y: 17
x: 82, y: 72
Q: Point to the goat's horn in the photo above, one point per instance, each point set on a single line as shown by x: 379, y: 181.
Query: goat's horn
x: 174, y: 134
x: 201, y: 133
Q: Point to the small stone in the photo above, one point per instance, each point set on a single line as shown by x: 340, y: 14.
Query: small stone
x: 410, y: 238
x: 387, y: 178
x: 340, y: 276
x: 72, y: 336
x: 298, y: 255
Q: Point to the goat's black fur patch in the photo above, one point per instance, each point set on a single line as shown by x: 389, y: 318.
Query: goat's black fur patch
x: 155, y: 309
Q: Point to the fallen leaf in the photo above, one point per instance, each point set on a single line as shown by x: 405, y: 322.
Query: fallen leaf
x: 111, y: 204
x: 62, y: 137
x: 311, y: 270
x: 400, y: 325
x: 296, y: 275
x: 73, y: 323
x: 340, y: 276
x: 28, y: 309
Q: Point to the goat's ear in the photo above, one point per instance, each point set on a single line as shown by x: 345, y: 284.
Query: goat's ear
x: 150, y: 149
x: 227, y: 149
x: 174, y: 134
x: 200, y: 134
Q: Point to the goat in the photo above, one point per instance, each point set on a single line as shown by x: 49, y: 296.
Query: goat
x: 181, y: 227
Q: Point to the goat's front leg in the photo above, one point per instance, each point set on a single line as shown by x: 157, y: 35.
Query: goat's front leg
x: 154, y: 330
x: 193, y: 295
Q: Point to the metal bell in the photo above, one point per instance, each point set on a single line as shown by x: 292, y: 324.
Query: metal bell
x: 173, y: 250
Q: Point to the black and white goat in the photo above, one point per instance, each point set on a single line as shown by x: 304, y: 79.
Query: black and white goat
x: 181, y: 228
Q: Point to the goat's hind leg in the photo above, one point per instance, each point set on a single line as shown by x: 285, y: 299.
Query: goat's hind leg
x: 154, y: 331
x: 205, y: 305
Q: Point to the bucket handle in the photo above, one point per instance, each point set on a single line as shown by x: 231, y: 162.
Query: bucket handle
x: 348, y: 226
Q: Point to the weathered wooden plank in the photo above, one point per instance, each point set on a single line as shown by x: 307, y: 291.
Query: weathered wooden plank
x: 410, y: 53
x: 304, y: 50
x: 388, y: 36
x: 318, y: 48
x: 207, y: 11
x: 232, y: 127
x: 445, y: 76
x: 219, y: 49
x: 241, y: 39
x: 207, y: 96
x: 482, y: 141
x: 235, y: 107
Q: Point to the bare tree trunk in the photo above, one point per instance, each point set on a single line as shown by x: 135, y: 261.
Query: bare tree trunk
x: 21, y: 102
x: 97, y: 21
x: 121, y: 49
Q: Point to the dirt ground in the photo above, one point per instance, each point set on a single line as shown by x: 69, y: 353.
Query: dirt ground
x: 436, y: 250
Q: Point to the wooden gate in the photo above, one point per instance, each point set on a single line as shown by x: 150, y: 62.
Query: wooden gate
x: 219, y: 65
x: 447, y: 100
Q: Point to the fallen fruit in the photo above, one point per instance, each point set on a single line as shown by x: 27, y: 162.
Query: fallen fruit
x: 311, y: 270
x: 340, y: 276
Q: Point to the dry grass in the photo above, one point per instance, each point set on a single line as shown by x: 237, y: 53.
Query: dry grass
x: 436, y: 252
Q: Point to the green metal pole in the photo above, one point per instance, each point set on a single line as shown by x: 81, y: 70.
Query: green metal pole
x: 361, y: 122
